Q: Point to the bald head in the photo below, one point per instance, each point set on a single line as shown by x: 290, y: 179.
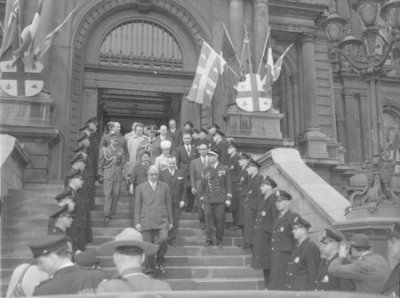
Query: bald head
x: 153, y: 173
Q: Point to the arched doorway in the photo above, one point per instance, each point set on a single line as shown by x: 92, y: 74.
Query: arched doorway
x: 135, y: 62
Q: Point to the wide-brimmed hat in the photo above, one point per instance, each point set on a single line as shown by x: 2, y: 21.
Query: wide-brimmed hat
x: 360, y: 241
x: 128, y: 237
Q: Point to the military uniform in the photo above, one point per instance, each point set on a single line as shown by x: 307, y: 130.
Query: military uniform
x: 110, y: 167
x: 282, y: 244
x: 222, y: 149
x: 133, y: 280
x: 302, y: 268
x: 242, y: 190
x: 216, y: 188
x: 70, y: 280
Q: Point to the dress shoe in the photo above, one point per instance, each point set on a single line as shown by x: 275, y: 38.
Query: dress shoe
x: 219, y: 243
x: 150, y: 272
x: 208, y: 243
x: 172, y: 243
x: 161, y: 268
x: 107, y: 219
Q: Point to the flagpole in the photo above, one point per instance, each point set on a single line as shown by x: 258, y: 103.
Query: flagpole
x: 263, y: 52
x: 230, y: 40
x: 248, y: 49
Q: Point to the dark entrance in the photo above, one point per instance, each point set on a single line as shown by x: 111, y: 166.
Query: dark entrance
x: 128, y: 106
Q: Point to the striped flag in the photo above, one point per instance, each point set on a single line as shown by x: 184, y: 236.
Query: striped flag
x: 29, y: 32
x: 278, y: 64
x: 209, y: 68
x: 10, y: 31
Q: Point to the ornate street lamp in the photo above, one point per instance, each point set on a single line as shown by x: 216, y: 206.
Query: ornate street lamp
x: 371, y: 66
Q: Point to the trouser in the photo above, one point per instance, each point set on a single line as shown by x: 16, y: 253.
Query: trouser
x: 175, y: 217
x: 189, y: 197
x: 112, y: 190
x: 235, y: 209
x: 77, y: 236
x: 92, y: 192
x: 200, y: 208
x: 214, y: 217
x: 160, y: 237
x: 88, y: 226
x: 249, y: 222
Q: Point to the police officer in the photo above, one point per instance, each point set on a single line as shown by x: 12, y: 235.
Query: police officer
x: 242, y: 190
x: 235, y: 169
x: 60, y: 221
x: 282, y: 240
x: 329, y: 247
x: 266, y: 212
x: 250, y: 203
x: 216, y: 193
x: 51, y: 253
x: 393, y: 282
x: 303, y: 263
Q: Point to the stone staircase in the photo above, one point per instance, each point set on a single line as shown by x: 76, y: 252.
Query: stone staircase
x: 189, y: 265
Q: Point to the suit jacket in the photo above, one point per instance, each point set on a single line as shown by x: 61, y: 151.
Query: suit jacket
x: 196, y: 173
x: 392, y: 284
x: 369, y: 272
x: 174, y: 136
x: 70, y: 280
x: 132, y: 279
x: 153, y: 210
x: 139, y: 174
x: 328, y: 282
x: 183, y: 161
x: 282, y: 236
x: 175, y: 184
x: 302, y: 268
x: 216, y: 184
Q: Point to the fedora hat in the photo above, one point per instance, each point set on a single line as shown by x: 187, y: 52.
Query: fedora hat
x: 128, y: 237
x: 360, y: 241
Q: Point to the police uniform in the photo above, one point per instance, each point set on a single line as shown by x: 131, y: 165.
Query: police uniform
x: 242, y: 189
x: 282, y: 245
x: 69, y: 279
x: 216, y: 188
x: 326, y: 281
x: 303, y: 263
x: 235, y: 170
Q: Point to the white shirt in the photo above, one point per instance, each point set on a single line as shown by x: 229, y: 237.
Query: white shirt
x: 153, y: 185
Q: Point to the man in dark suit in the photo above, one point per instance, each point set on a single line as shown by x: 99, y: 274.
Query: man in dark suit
x: 197, y: 167
x: 51, y: 253
x: 329, y: 247
x: 392, y: 284
x: 304, y: 261
x: 184, y: 155
x: 174, y: 178
x: 216, y: 193
x: 153, y: 216
x: 174, y: 133
x: 129, y: 251
x: 282, y: 240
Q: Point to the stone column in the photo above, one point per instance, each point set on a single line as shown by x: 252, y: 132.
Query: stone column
x: 261, y: 24
x: 315, y: 141
x: 236, y: 23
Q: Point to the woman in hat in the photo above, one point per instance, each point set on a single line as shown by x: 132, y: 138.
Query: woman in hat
x: 266, y: 212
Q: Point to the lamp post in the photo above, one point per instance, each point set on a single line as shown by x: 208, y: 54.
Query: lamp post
x: 371, y: 66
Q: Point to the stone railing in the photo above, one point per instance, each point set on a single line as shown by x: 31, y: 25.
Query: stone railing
x: 313, y: 197
x: 13, y: 160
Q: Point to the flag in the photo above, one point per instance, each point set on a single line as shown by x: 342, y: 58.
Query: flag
x: 251, y: 95
x: 245, y: 56
x: 29, y: 32
x: 44, y: 46
x: 278, y: 64
x: 10, y: 31
x: 229, y: 52
x: 209, y: 68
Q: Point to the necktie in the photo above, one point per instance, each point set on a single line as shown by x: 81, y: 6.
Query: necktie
x: 188, y: 149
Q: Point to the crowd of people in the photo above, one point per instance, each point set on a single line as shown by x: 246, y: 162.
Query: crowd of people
x: 170, y: 170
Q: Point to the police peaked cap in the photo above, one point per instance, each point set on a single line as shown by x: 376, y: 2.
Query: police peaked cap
x: 78, y: 157
x: 63, y: 210
x: 254, y: 163
x: 301, y: 222
x: 92, y: 120
x: 220, y: 132
x: 244, y: 155
x: 212, y: 152
x: 82, y: 137
x: 73, y: 173
x: 81, y: 147
x: 62, y: 195
x: 283, y: 195
x: 233, y: 144
x: 330, y: 235
x: 204, y: 130
x: 269, y: 181
x: 83, y: 127
x: 213, y: 125
x: 188, y: 123
x: 48, y: 244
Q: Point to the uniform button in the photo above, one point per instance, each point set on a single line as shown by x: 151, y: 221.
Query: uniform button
x: 290, y: 274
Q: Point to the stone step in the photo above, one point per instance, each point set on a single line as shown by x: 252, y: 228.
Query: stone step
x: 217, y: 284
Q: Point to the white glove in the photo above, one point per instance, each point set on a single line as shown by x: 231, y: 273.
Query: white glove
x: 181, y: 204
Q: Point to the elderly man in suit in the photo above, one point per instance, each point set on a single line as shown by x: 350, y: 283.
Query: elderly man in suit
x: 216, y: 193
x: 197, y: 167
x: 174, y: 178
x: 368, y: 270
x: 184, y: 155
x: 129, y: 251
x: 153, y: 216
